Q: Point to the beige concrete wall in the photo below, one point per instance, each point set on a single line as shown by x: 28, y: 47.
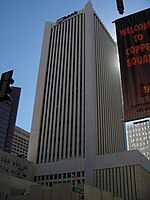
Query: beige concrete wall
x: 62, y: 191
x: 91, y: 192
x: 143, y: 184
x: 36, y: 192
x: 94, y: 193
x: 20, y: 197
x: 40, y: 192
x: 4, y: 189
x: 14, y: 186
x: 76, y: 196
x: 48, y: 194
x: 106, y: 195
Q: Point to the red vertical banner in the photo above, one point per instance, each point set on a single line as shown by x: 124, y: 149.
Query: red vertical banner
x: 133, y: 38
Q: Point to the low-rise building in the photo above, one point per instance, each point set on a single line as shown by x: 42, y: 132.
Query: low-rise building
x: 118, y: 176
x: 12, y: 188
x: 15, y: 166
x: 124, y: 174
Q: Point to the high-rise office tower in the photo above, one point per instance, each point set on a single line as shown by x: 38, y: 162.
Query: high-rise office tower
x: 77, y: 111
x: 139, y: 137
x: 8, y: 114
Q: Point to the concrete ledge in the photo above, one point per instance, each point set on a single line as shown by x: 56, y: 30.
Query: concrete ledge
x: 125, y: 158
x: 64, y: 166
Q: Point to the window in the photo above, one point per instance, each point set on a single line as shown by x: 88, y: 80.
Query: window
x: 69, y: 175
x: 25, y: 167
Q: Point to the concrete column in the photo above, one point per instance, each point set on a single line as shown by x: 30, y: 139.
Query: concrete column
x: 90, y: 101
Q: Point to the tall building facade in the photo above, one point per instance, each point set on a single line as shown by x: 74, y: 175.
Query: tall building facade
x: 77, y: 111
x: 139, y: 137
x: 20, y: 142
x: 8, y: 114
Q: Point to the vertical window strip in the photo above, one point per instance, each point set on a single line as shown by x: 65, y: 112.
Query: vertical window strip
x: 101, y: 89
x: 110, y: 105
x: 105, y: 95
x: 105, y: 180
x: 113, y: 182
x: 118, y: 182
x: 43, y: 106
x: 132, y: 182
x: 76, y: 85
x: 135, y: 183
x: 107, y: 91
x: 71, y: 152
x: 97, y: 42
x: 111, y: 179
x: 97, y: 78
x: 79, y: 87
x: 45, y: 153
x: 51, y: 66
x: 66, y: 89
x: 61, y: 120
x: 49, y: 107
x: 84, y: 90
x: 82, y: 63
x: 101, y: 179
x: 97, y: 52
x: 96, y: 178
x: 57, y: 93
x: 128, y: 181
x: 64, y: 92
x: 74, y: 88
x: 53, y: 102
x: 122, y: 183
x: 61, y: 94
x: 125, y: 182
x: 69, y: 88
x: 108, y: 179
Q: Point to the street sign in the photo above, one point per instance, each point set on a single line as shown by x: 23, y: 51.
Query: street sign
x: 78, y: 190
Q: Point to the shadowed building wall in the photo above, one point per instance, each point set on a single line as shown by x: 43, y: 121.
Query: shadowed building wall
x: 8, y: 114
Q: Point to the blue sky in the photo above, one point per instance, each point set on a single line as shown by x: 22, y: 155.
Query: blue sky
x: 22, y: 25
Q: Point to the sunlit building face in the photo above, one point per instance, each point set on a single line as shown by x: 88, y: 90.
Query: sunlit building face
x: 139, y: 137
x: 77, y: 111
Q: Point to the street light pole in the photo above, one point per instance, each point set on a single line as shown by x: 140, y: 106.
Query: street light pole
x: 120, y: 6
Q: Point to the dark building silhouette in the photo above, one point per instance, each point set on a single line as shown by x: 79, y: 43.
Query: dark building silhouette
x: 8, y: 114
